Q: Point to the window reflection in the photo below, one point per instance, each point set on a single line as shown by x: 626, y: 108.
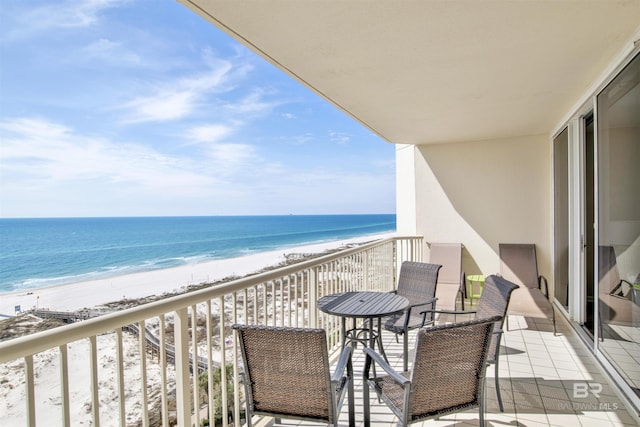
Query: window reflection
x: 619, y: 222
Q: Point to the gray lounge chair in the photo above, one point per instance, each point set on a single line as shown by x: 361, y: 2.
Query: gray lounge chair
x: 494, y: 301
x: 451, y: 276
x: 447, y: 375
x: 518, y: 264
x: 286, y: 374
x: 417, y: 282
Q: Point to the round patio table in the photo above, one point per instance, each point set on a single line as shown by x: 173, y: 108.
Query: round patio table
x: 363, y: 305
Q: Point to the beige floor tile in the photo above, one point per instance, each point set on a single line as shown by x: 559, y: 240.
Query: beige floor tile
x: 538, y: 373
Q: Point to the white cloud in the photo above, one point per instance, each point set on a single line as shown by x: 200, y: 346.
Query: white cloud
x: 208, y: 133
x: 54, y: 15
x: 110, y: 52
x: 339, y: 137
x: 252, y: 104
x: 45, y: 154
x: 223, y: 158
x: 77, y: 14
x: 45, y: 166
x: 301, y: 139
x: 49, y: 169
x: 177, y: 99
x: 231, y: 158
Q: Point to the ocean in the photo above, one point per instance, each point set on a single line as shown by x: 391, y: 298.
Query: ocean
x: 38, y: 252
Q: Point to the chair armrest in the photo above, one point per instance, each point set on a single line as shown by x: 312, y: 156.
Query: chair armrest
x: 426, y: 302
x: 454, y: 312
x: 450, y: 311
x: 541, y: 279
x: 376, y: 358
x: 431, y: 301
x: 343, y: 363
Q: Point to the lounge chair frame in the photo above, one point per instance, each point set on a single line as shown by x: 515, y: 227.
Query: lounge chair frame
x: 451, y: 277
x: 518, y: 264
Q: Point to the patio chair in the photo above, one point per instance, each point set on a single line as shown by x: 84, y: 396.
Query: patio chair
x: 447, y: 375
x: 417, y: 283
x: 451, y: 276
x: 493, y: 302
x: 286, y: 374
x: 518, y: 264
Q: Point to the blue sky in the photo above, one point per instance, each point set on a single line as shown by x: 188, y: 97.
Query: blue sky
x: 118, y: 108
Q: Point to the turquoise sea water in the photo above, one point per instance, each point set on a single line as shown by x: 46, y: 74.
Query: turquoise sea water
x: 43, y: 252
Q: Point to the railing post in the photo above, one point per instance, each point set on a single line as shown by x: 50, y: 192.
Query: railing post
x: 195, y: 390
x: 236, y: 383
x: 120, y: 376
x: 144, y: 398
x: 366, y: 285
x: 181, y: 338
x: 223, y: 368
x: 95, y: 396
x: 163, y: 371
x: 64, y: 385
x: 30, y: 391
x: 313, y: 297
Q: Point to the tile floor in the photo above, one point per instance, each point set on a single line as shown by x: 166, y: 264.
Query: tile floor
x: 538, y: 375
x: 624, y: 351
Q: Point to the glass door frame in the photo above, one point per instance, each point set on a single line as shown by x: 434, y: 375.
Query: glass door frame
x: 575, y: 310
x: 576, y: 203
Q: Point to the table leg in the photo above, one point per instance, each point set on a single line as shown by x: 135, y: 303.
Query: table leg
x: 380, y: 340
x: 372, y: 342
x: 372, y: 338
x: 343, y: 328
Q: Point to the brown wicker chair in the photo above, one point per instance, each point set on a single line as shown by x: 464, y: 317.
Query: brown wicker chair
x: 417, y: 283
x: 494, y: 301
x: 518, y: 264
x: 286, y: 374
x: 450, y: 276
x: 447, y: 375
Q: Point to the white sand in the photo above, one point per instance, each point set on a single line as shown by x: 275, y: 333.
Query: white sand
x: 47, y: 385
x: 88, y: 294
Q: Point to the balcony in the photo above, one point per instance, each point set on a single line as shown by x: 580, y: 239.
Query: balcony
x: 104, y: 371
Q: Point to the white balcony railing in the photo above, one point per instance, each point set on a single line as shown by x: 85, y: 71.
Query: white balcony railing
x: 129, y: 378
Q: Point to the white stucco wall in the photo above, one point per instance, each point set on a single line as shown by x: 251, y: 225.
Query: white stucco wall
x: 481, y: 194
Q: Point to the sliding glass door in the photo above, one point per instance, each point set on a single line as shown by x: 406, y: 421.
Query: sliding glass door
x: 561, y: 217
x: 618, y: 222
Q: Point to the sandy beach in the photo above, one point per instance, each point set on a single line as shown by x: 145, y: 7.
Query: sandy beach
x: 76, y: 296
x: 90, y: 294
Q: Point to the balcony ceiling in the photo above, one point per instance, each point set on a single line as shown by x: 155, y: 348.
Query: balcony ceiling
x: 437, y: 71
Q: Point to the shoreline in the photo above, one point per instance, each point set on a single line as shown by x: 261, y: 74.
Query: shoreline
x: 92, y: 293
